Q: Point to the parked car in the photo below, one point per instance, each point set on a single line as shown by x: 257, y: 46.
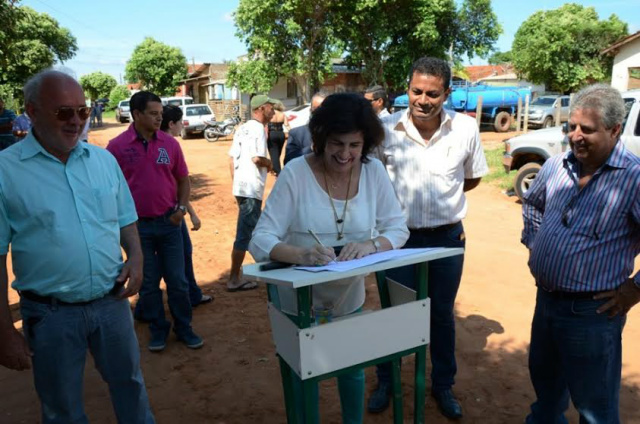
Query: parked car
x: 528, y: 152
x: 298, y: 116
x: 123, y: 114
x: 193, y: 117
x: 177, y: 101
x: 542, y: 111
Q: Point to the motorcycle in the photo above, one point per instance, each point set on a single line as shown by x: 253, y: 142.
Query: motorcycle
x: 214, y: 130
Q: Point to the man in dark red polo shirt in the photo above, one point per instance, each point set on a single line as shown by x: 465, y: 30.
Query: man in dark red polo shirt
x: 153, y: 164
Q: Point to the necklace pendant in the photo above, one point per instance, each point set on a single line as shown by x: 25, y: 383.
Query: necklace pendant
x: 339, y: 221
x: 340, y: 236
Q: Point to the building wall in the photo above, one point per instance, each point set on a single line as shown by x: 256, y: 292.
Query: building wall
x: 628, y: 57
x: 345, y: 82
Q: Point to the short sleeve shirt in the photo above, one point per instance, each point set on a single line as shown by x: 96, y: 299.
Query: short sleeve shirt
x: 249, y: 141
x: 63, y: 221
x: 151, y: 170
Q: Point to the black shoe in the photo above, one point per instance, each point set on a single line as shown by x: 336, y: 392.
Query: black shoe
x: 448, y: 404
x: 379, y: 399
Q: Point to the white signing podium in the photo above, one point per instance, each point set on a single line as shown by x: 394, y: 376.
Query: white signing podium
x: 315, y: 353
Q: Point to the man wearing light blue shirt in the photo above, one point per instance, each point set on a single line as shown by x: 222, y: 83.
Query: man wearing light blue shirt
x: 65, y: 210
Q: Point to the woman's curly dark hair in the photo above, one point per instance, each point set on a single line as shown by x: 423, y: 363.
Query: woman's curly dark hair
x: 344, y: 113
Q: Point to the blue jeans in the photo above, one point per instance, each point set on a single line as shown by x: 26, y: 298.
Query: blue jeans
x: 249, y: 210
x: 162, y: 247
x: 575, y: 353
x: 443, y: 282
x: 59, y: 337
x: 195, y: 294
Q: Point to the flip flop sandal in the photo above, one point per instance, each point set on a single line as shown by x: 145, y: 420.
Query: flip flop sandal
x: 247, y: 285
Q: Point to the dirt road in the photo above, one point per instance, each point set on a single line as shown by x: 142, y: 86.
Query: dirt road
x: 235, y: 378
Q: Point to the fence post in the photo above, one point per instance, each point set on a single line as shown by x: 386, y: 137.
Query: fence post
x: 479, y: 111
x: 519, y: 114
x: 526, y: 114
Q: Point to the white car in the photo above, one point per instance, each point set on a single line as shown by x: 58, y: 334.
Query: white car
x: 298, y: 116
x: 193, y: 117
x: 123, y: 114
x: 177, y: 101
x: 528, y: 152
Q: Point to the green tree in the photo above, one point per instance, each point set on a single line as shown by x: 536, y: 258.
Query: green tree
x: 252, y: 76
x: 294, y: 37
x: 386, y: 37
x: 30, y: 42
x: 298, y: 38
x: 97, y: 84
x: 157, y: 66
x: 500, y: 57
x: 118, y: 93
x: 561, y: 47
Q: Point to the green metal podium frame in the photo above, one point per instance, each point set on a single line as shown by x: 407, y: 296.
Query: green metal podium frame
x: 302, y: 323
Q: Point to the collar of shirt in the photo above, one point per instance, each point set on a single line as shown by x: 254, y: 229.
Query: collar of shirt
x: 617, y: 159
x: 31, y: 147
x: 405, y: 124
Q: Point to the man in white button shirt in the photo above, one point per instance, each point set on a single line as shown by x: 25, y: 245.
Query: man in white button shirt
x: 432, y: 156
x: 379, y: 100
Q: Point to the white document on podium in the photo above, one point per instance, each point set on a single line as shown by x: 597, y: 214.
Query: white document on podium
x: 367, y: 260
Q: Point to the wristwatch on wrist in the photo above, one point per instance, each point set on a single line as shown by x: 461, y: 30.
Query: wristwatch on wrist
x: 376, y: 245
x: 183, y: 209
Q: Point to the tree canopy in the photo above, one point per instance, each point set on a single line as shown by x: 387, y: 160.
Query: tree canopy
x: 118, y: 93
x: 294, y: 37
x: 386, y: 37
x: 29, y: 42
x: 298, y: 38
x: 252, y: 76
x: 561, y: 47
x: 98, y: 84
x: 157, y: 66
x: 500, y: 57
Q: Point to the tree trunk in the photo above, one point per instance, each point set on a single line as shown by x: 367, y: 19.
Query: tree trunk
x: 303, y: 85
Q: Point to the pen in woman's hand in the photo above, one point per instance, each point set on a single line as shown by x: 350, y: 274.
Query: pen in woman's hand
x: 315, y: 237
x: 328, y: 252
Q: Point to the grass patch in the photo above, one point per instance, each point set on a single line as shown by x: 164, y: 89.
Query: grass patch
x: 111, y: 114
x: 496, y: 176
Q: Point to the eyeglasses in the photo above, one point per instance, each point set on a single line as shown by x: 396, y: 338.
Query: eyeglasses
x: 65, y: 113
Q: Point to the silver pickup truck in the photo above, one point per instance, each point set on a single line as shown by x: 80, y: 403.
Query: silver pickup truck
x: 527, y: 152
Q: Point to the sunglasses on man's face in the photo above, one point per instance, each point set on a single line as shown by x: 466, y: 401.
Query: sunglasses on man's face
x: 65, y: 113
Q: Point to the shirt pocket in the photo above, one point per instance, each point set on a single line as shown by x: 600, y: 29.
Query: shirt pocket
x: 107, y: 203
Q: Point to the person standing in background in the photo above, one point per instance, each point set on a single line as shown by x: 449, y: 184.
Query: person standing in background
x: 299, y: 142
x: 278, y: 128
x: 249, y: 166
x: 379, y: 100
x: 21, y: 125
x: 6, y: 126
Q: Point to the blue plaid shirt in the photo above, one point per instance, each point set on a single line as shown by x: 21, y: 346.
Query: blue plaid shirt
x: 584, y: 240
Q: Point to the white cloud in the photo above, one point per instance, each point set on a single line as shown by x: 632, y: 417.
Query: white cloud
x: 228, y: 17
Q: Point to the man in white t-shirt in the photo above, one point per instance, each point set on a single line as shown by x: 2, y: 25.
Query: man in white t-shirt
x: 433, y: 156
x: 249, y: 165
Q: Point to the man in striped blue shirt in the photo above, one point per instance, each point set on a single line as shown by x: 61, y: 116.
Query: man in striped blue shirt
x: 582, y: 227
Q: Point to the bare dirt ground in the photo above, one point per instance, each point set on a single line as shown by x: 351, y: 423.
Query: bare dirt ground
x: 235, y: 377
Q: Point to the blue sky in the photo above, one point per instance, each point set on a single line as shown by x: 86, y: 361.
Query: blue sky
x: 107, y: 32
